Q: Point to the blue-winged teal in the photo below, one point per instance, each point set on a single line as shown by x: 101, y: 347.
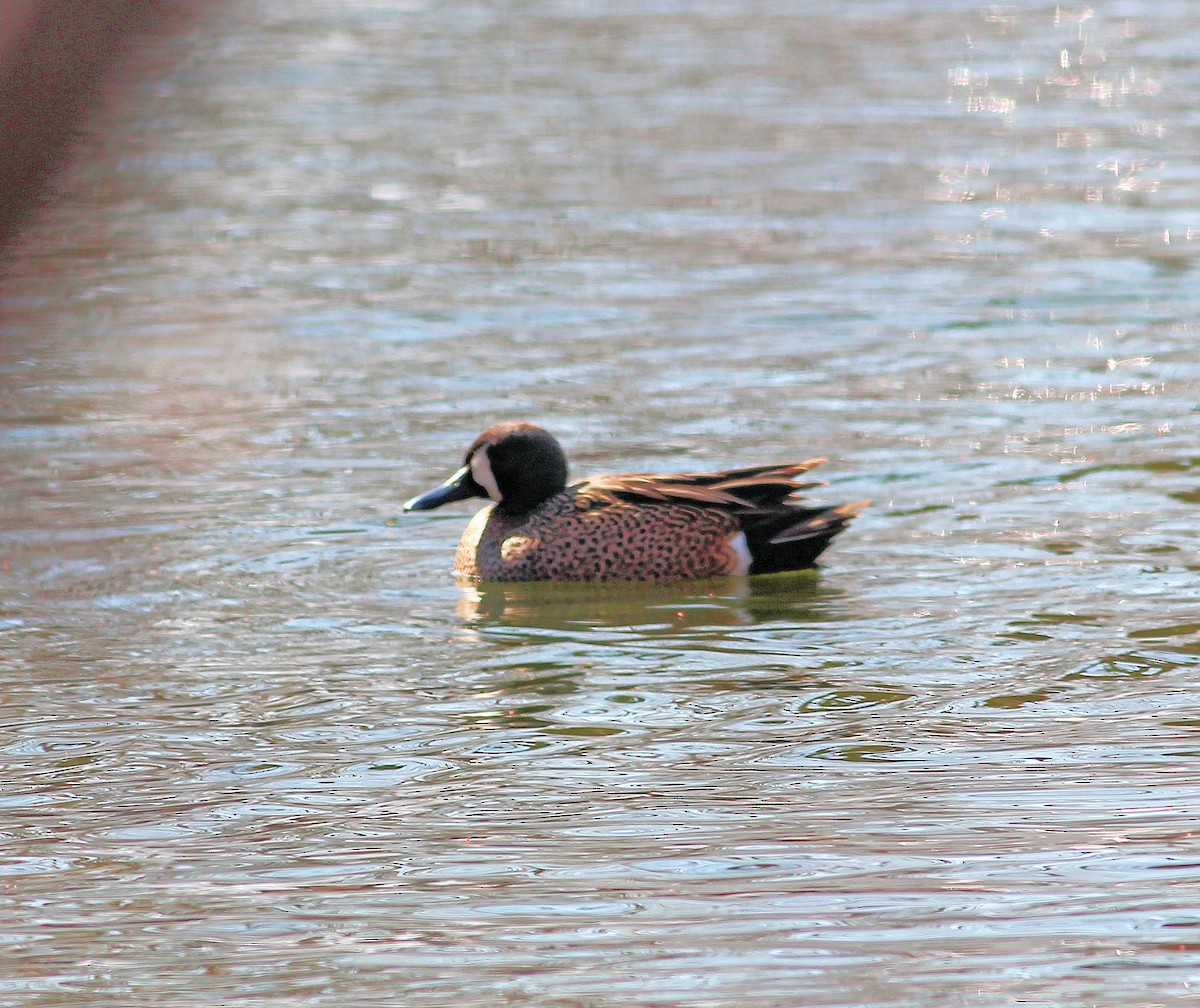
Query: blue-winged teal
x: 634, y: 527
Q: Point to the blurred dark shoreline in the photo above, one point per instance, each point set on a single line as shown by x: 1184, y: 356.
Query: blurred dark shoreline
x: 55, y: 58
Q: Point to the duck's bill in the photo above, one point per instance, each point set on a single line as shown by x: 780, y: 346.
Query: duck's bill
x: 458, y: 487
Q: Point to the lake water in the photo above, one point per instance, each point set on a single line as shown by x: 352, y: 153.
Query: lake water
x: 259, y: 749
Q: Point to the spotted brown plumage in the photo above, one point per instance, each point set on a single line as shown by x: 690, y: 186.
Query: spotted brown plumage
x: 627, y: 527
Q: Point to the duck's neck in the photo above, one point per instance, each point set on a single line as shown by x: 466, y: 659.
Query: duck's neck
x: 521, y: 501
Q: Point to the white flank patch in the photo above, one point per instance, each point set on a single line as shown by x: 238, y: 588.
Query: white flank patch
x: 737, y: 543
x: 481, y: 472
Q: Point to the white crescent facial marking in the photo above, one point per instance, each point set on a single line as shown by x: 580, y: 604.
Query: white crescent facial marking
x: 481, y: 472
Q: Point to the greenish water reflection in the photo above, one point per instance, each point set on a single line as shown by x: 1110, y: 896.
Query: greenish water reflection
x: 663, y: 607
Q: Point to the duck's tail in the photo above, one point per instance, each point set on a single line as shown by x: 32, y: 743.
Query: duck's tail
x: 791, y: 537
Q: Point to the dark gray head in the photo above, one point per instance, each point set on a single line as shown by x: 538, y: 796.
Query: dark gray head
x: 517, y: 465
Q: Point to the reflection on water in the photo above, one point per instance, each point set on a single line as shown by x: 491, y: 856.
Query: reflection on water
x: 257, y: 744
x: 796, y: 597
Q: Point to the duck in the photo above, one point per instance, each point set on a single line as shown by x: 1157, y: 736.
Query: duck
x: 630, y: 526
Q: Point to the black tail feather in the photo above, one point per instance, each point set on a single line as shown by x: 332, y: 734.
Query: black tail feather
x: 792, y: 537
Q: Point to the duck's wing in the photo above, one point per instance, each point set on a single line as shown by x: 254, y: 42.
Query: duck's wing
x: 736, y: 490
x: 782, y: 532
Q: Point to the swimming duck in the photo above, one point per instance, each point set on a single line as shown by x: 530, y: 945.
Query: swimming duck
x: 630, y: 527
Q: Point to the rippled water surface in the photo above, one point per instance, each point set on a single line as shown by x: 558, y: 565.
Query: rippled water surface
x: 259, y: 749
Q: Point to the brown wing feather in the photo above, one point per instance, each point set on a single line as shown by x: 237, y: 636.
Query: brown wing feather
x: 735, y: 489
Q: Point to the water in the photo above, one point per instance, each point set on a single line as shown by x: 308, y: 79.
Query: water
x: 259, y: 748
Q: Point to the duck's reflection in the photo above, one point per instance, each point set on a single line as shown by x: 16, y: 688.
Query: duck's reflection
x: 664, y: 606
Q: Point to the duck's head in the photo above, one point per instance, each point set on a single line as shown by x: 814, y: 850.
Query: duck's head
x: 517, y: 465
